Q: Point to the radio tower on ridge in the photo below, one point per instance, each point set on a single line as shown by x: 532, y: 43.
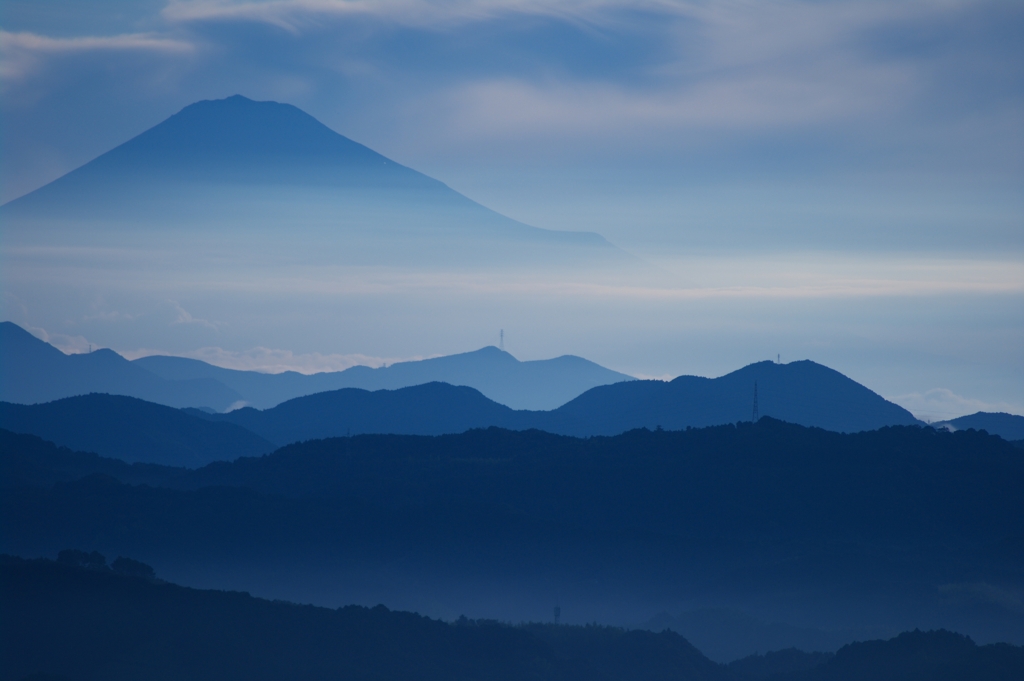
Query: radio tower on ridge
x: 756, y: 415
x: 501, y: 340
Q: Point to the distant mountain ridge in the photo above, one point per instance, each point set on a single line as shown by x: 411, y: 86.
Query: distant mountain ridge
x: 1006, y: 426
x: 804, y: 393
x: 33, y: 371
x: 538, y: 384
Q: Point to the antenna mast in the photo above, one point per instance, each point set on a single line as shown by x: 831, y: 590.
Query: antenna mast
x: 501, y: 340
x: 756, y: 415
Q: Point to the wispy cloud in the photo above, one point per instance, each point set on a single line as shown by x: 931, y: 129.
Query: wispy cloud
x: 804, y: 276
x: 941, y: 404
x: 721, y: 65
x: 20, y: 53
x: 68, y: 344
x: 572, y: 110
x: 295, y: 15
x: 182, y: 316
x: 133, y: 41
x: 560, y: 79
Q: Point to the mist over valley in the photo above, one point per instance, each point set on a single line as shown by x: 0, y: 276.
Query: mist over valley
x: 472, y: 341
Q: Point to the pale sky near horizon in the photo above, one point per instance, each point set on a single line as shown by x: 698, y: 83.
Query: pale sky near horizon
x: 841, y: 181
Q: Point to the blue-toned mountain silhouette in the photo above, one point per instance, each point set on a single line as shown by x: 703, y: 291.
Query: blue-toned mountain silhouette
x: 804, y: 392
x: 537, y: 384
x: 775, y: 516
x: 1006, y: 426
x: 220, y: 635
x: 243, y: 170
x: 33, y: 371
x: 132, y: 430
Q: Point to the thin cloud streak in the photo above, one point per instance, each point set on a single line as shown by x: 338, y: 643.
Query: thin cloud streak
x: 482, y: 286
x: 295, y: 15
x: 21, y: 54
x: 633, y: 79
x: 802, y: 276
x: 132, y: 41
x: 516, y: 108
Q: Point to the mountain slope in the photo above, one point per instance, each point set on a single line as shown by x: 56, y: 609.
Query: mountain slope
x: 33, y: 371
x: 851, y: 529
x: 270, y: 174
x: 141, y: 629
x: 537, y: 385
x: 132, y: 430
x: 1006, y: 426
x: 429, y: 409
x: 800, y: 392
x: 922, y: 656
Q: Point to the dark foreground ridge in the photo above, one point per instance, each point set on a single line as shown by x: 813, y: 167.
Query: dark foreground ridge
x: 94, y: 624
x: 922, y: 526
x: 133, y: 430
x: 78, y: 622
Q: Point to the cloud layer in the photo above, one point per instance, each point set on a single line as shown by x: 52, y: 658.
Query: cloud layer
x: 843, y: 83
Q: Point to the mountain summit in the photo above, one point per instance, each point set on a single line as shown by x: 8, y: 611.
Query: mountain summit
x: 238, y: 140
x: 242, y: 169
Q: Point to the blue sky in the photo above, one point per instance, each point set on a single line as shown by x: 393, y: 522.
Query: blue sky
x: 842, y: 181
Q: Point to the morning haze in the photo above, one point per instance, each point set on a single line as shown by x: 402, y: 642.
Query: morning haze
x: 669, y: 340
x: 801, y: 178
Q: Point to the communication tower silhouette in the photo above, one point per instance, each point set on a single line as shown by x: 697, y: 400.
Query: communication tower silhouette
x: 756, y: 415
x: 501, y: 340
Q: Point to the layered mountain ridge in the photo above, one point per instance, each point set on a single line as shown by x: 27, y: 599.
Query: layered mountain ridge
x: 770, y: 516
x: 32, y: 371
x: 101, y: 402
